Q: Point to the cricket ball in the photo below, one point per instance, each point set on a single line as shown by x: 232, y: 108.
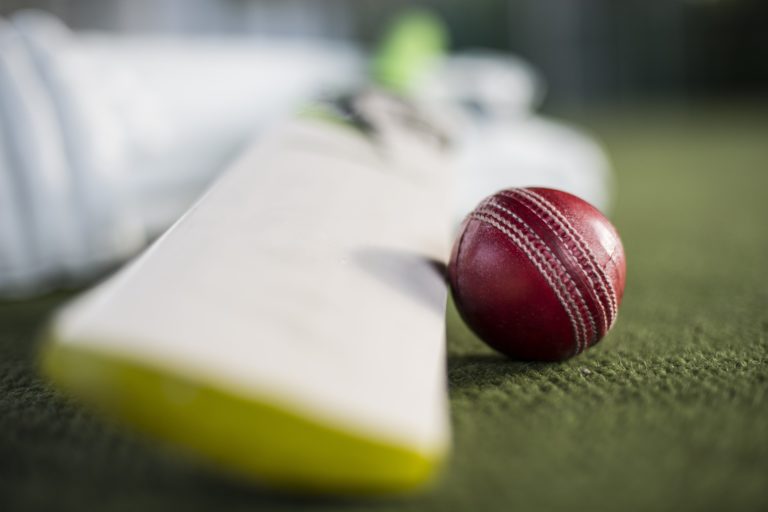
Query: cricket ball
x: 537, y: 274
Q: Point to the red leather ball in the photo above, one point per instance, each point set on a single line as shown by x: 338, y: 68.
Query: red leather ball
x: 537, y: 273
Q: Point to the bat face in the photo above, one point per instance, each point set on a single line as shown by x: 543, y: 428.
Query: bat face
x: 290, y: 325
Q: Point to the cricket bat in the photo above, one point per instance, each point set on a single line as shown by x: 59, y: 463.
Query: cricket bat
x: 290, y: 326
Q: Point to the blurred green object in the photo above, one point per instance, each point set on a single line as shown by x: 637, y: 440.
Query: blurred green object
x: 669, y: 412
x: 412, y: 43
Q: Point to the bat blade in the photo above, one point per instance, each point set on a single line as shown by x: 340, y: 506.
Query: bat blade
x: 291, y: 325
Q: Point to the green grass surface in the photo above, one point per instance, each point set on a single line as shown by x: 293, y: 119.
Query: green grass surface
x: 670, y: 412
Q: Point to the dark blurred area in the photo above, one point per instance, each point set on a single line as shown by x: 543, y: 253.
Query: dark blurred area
x: 590, y: 51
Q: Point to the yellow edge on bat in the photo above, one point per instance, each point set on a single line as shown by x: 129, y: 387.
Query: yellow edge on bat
x: 254, y: 438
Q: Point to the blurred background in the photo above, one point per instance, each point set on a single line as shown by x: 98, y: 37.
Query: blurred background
x: 590, y: 51
x: 116, y: 114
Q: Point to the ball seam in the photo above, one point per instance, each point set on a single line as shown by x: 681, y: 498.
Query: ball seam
x: 575, y: 242
x: 570, y: 284
x: 553, y: 223
x: 549, y: 275
x: 607, y: 285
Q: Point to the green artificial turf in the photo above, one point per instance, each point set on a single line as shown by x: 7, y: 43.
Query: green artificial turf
x: 670, y: 412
